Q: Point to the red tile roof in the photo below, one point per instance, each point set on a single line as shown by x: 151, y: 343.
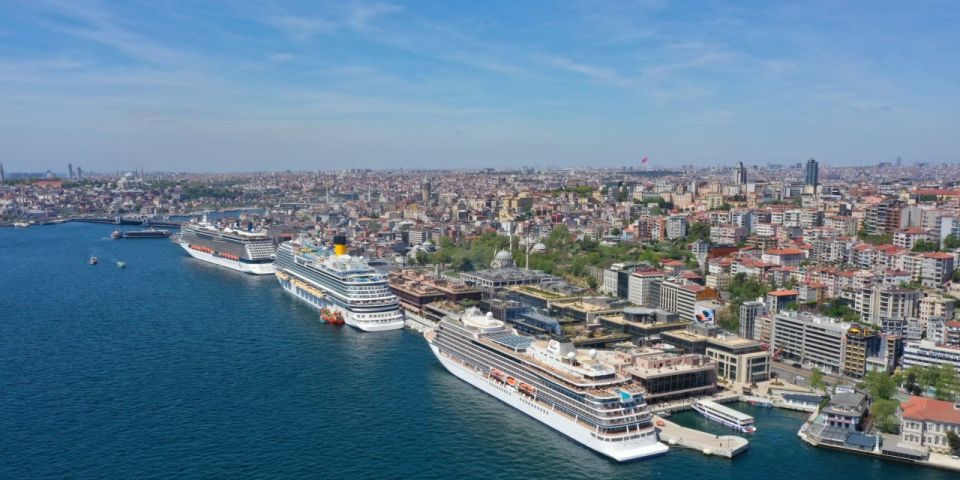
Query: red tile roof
x: 783, y: 293
x: 785, y: 251
x: 930, y: 409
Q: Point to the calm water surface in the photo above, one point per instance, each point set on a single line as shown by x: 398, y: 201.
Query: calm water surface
x: 173, y: 368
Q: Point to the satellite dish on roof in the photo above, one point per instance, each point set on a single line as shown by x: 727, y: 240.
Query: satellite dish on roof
x: 572, y: 355
x: 593, y: 353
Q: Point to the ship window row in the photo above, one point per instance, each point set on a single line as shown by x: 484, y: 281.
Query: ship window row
x: 333, y: 284
x: 560, y: 405
x: 511, y: 370
x: 601, y: 405
x: 570, y: 411
x: 545, y: 388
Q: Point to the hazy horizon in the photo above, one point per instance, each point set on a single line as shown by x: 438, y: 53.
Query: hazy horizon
x: 239, y: 87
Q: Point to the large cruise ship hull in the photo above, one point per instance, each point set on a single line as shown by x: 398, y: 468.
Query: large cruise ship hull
x: 350, y: 318
x: 251, y: 268
x: 625, y: 451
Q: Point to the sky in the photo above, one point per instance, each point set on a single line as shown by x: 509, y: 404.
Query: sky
x: 262, y: 85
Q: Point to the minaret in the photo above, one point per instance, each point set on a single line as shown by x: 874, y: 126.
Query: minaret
x: 526, y: 265
x: 2, y: 177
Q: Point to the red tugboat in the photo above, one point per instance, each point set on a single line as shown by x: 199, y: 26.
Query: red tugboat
x: 331, y: 317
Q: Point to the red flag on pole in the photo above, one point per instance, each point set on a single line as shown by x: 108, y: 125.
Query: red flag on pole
x: 644, y: 160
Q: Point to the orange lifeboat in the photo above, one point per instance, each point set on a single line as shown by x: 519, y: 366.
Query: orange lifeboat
x: 527, y: 389
x: 511, y: 381
x: 661, y: 423
x: 497, y: 374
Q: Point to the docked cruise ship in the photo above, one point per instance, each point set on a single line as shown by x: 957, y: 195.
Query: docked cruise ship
x: 237, y: 249
x: 335, y: 282
x: 551, y: 381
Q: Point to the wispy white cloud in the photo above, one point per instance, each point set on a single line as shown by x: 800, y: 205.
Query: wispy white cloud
x: 92, y: 22
x: 300, y: 28
x: 359, y: 16
x: 602, y: 74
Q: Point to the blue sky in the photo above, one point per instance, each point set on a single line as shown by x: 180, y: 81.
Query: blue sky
x: 233, y: 85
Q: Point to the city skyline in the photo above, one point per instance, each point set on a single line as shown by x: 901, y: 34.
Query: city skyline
x: 235, y: 87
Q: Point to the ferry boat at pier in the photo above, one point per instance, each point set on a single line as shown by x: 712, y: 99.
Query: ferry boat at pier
x: 565, y: 388
x: 241, y: 250
x: 724, y: 415
x: 148, y: 233
x: 346, y: 289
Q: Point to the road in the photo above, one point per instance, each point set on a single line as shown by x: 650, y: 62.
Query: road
x: 786, y: 372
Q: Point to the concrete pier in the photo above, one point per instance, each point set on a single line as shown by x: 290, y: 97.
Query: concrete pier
x: 418, y: 323
x: 674, y: 435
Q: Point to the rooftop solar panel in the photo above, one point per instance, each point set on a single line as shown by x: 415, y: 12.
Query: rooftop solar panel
x: 515, y: 342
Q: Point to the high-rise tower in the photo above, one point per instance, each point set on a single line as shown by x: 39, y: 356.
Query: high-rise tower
x: 425, y: 191
x: 740, y: 174
x: 813, y: 173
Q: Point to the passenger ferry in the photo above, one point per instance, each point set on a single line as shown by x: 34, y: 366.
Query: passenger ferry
x: 241, y: 250
x: 148, y: 233
x: 346, y: 289
x: 725, y: 415
x: 565, y: 388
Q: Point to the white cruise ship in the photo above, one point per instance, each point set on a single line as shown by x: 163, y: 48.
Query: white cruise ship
x: 237, y: 249
x: 725, y: 415
x: 551, y: 381
x: 343, y: 287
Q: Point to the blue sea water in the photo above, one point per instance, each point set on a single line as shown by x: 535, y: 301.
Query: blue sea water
x: 175, y: 368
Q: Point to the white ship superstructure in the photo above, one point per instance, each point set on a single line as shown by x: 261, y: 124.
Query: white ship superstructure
x: 337, y: 282
x: 725, y: 415
x: 241, y: 250
x: 551, y: 381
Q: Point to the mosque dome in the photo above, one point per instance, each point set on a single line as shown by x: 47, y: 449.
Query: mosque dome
x: 503, y: 259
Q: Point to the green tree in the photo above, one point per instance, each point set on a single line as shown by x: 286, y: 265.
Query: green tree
x: 816, y: 379
x: 884, y: 412
x: 951, y: 242
x: 874, y: 239
x: 838, y: 309
x: 910, y: 380
x: 953, y: 440
x: 925, y: 246
x: 698, y: 231
x: 880, y: 385
x: 728, y: 320
x: 422, y: 257
x: 946, y: 382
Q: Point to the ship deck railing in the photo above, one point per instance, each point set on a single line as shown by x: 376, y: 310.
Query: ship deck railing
x: 647, y: 417
x: 573, y: 379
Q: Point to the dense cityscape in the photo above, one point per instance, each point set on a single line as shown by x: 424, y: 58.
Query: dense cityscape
x: 829, y: 290
x: 404, y: 239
